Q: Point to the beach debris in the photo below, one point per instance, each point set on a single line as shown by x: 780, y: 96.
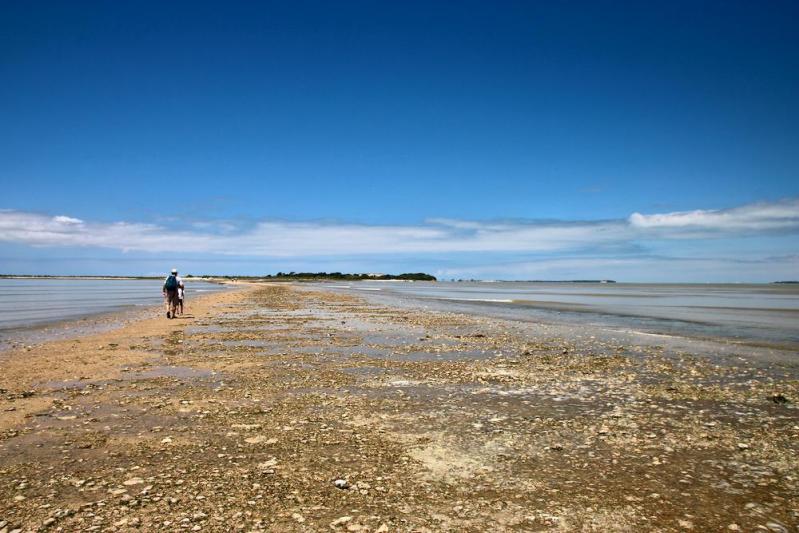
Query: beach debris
x: 260, y: 439
x: 776, y: 527
x: 267, y: 467
x: 340, y: 521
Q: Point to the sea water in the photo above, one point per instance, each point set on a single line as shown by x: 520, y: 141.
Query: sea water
x: 27, y: 303
x: 751, y: 313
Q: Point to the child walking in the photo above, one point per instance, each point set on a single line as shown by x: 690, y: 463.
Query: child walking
x: 181, y: 296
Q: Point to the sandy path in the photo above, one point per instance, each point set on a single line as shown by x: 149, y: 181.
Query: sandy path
x: 245, y: 416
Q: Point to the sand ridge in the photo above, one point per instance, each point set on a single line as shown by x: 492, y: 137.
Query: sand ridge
x: 288, y: 408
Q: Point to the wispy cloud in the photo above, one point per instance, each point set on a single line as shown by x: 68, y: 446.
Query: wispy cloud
x: 747, y: 219
x: 273, y: 238
x: 641, y: 268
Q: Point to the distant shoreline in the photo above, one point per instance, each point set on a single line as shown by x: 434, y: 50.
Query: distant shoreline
x: 111, y: 278
x: 43, y: 276
x: 363, y: 277
x: 280, y: 276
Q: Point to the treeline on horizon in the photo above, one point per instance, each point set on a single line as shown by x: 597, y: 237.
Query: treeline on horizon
x: 410, y: 276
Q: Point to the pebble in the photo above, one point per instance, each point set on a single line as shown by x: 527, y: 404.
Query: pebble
x: 777, y: 528
x: 340, y: 521
x: 341, y: 484
x: 259, y: 439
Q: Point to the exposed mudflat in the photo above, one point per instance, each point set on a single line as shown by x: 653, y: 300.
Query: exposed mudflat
x: 279, y: 409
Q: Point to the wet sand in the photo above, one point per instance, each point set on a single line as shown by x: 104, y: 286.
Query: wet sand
x: 292, y: 409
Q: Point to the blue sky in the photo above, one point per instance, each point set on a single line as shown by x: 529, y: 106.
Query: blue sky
x: 515, y: 140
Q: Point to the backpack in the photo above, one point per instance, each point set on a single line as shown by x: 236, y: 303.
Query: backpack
x: 171, y: 283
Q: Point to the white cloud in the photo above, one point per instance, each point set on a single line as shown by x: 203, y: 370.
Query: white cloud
x: 635, y: 269
x: 66, y: 220
x: 435, y: 236
x: 752, y: 218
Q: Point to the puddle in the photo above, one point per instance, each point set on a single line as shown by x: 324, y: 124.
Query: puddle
x: 183, y: 372
x: 254, y: 343
x: 330, y: 350
x: 386, y: 340
x: 72, y: 384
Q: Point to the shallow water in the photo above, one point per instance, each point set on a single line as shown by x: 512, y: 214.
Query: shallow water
x: 757, y: 314
x: 31, y: 302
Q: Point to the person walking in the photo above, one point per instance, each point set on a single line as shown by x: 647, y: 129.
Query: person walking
x: 170, y: 291
x: 181, y: 296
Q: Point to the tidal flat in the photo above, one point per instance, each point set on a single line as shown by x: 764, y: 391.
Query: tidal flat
x: 284, y: 408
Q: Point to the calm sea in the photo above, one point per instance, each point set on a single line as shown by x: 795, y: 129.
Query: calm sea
x: 757, y: 314
x: 32, y: 302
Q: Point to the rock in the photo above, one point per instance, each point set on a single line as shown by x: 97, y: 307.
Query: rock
x: 246, y: 427
x: 260, y: 439
x: 777, y: 528
x: 267, y: 467
x: 340, y: 521
x: 298, y: 517
x: 341, y: 484
x: 779, y: 398
x: 133, y: 481
x: 49, y: 522
x: 743, y: 446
